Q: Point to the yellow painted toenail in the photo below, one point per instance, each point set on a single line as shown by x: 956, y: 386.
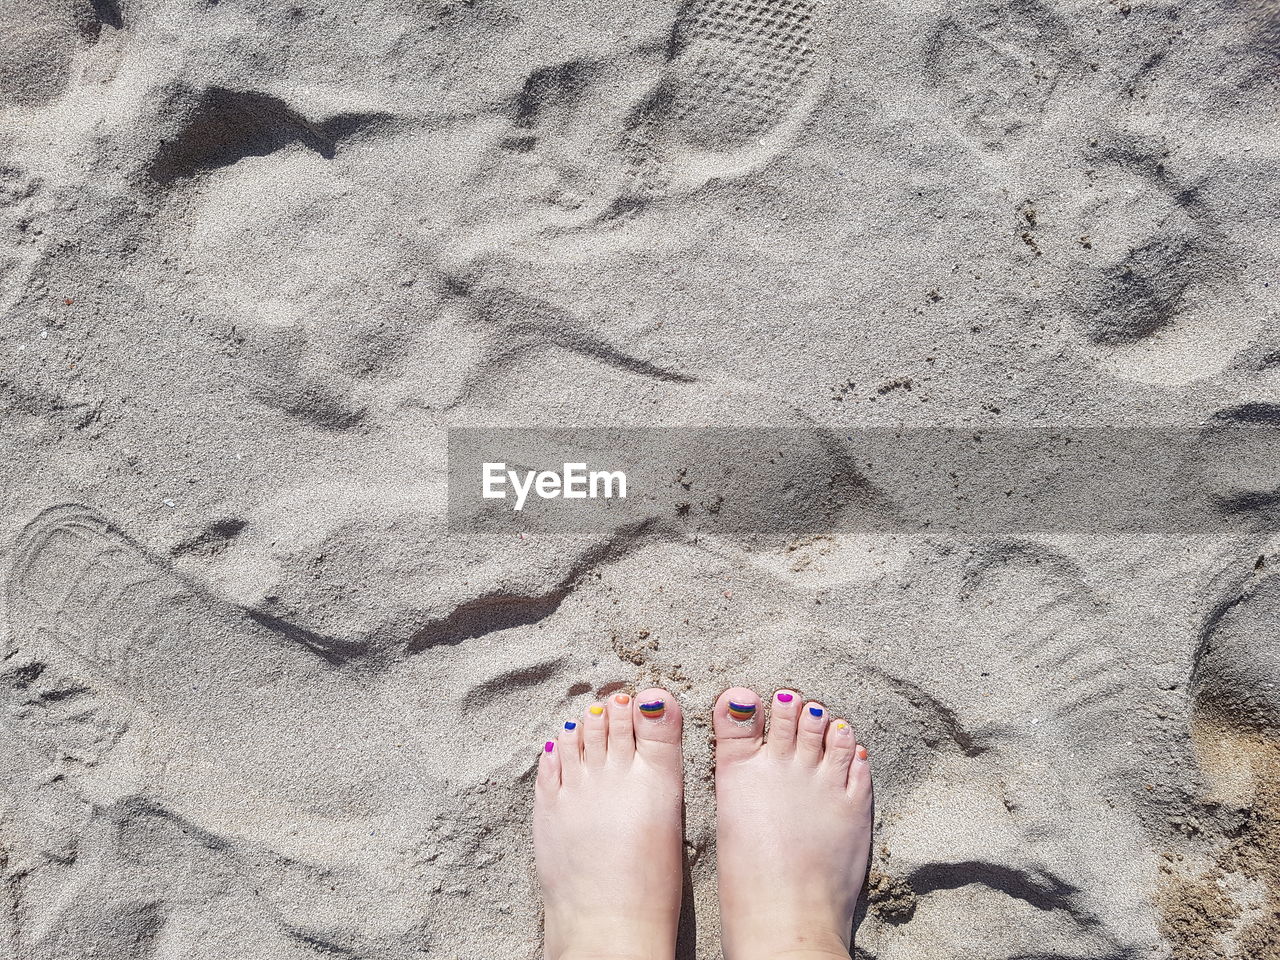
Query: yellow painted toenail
x: 595, y: 709
x: 842, y: 726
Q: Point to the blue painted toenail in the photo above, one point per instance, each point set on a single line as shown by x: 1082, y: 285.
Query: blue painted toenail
x: 570, y: 725
x: 815, y: 711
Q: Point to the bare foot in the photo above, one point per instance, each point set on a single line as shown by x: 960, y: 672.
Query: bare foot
x: 607, y: 831
x: 793, y: 827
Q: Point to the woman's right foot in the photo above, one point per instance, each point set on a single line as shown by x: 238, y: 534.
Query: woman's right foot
x: 793, y: 828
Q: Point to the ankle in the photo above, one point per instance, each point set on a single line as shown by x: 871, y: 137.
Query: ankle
x: 802, y: 950
x: 614, y: 939
x: 614, y: 951
x: 787, y: 939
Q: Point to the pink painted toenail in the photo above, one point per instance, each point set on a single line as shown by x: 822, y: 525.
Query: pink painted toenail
x: 551, y: 745
x: 785, y: 698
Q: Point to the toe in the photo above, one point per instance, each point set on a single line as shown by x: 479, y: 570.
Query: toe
x: 622, y: 737
x: 812, y: 731
x: 657, y: 719
x: 739, y: 724
x: 548, y: 781
x: 784, y: 721
x: 860, y: 779
x: 595, y: 734
x: 839, y: 752
x: 569, y: 750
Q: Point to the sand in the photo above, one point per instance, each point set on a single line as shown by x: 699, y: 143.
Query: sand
x: 259, y: 700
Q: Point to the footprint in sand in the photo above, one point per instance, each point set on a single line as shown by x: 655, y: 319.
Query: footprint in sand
x: 79, y: 592
x: 246, y: 714
x: 996, y: 67
x: 741, y: 77
x: 1223, y: 899
x: 1154, y: 282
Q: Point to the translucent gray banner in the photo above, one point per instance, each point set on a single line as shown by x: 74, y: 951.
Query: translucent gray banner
x: 1218, y: 478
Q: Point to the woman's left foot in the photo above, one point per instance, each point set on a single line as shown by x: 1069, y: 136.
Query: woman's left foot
x: 607, y: 831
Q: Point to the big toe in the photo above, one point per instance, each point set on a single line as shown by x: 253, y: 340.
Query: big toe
x: 738, y: 719
x: 659, y: 725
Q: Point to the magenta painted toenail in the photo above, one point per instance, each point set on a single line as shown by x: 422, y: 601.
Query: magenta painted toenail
x: 551, y: 745
x: 785, y: 698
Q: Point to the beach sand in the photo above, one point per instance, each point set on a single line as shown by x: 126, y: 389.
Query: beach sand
x: 259, y: 700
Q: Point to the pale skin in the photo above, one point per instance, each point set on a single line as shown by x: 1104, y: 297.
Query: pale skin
x: 793, y: 830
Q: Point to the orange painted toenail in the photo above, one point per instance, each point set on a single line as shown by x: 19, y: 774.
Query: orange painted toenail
x: 621, y: 699
x: 862, y: 753
x: 595, y: 709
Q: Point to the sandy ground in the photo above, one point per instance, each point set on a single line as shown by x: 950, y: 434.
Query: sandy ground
x: 259, y: 701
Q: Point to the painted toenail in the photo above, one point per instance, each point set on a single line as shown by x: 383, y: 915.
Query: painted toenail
x: 654, y: 709
x: 742, y: 711
x: 785, y: 698
x: 842, y: 727
x: 622, y: 699
x: 570, y: 725
x: 861, y: 753
x: 595, y: 709
x: 815, y: 711
x: 551, y: 745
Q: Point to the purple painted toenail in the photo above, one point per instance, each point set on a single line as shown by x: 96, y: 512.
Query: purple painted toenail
x: 785, y: 698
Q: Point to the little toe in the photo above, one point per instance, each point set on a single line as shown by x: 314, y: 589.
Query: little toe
x: 548, y: 781
x: 569, y: 750
x: 784, y: 720
x: 595, y: 735
x: 622, y: 738
x: 812, y: 731
x: 658, y: 721
x: 739, y: 724
x: 838, y: 754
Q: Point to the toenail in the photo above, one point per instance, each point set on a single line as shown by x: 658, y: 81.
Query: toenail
x: 622, y: 699
x: 785, y: 697
x: 570, y: 725
x: 595, y: 709
x: 815, y: 711
x: 551, y: 745
x: 742, y: 711
x: 654, y: 709
x: 842, y: 727
x: 861, y: 753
